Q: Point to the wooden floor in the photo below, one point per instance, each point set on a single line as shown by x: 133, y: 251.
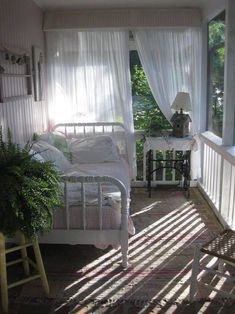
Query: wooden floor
x: 84, y: 279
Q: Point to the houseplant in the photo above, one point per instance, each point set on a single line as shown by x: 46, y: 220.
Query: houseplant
x: 29, y: 190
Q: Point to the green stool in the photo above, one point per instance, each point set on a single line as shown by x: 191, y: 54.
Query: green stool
x: 38, y: 266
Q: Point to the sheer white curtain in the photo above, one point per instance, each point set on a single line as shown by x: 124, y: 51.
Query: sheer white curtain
x: 89, y: 78
x: 171, y: 59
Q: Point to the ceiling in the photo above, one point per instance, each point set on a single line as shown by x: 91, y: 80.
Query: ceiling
x: 111, y: 4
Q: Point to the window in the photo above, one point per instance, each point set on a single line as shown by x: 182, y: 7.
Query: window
x: 216, y: 45
x: 146, y: 113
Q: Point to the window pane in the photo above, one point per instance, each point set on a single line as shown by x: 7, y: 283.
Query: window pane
x: 216, y: 32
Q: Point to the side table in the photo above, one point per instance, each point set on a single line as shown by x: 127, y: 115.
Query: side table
x: 181, y: 165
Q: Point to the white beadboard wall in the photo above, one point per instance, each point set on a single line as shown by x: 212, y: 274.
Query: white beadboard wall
x: 21, y: 28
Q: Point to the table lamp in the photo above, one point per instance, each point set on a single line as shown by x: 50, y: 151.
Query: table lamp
x: 180, y: 120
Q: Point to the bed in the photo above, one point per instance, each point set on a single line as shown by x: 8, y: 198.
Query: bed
x: 96, y: 184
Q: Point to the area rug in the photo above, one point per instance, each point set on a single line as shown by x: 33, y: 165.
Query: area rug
x: 84, y: 279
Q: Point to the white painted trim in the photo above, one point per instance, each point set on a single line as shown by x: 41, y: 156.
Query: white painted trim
x: 229, y: 75
x: 215, y: 142
x: 204, y: 77
x: 211, y: 139
x: 213, y: 8
x: 212, y: 205
x: 121, y: 18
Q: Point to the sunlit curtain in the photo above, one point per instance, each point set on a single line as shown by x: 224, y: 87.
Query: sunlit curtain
x: 89, y: 78
x: 172, y: 60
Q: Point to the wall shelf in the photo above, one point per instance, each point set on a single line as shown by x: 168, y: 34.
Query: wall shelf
x: 16, y: 77
x: 15, y: 98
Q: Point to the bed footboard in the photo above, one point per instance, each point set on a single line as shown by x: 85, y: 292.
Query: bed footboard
x: 84, y: 235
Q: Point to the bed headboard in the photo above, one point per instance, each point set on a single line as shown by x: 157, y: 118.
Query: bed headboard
x: 80, y: 130
x: 89, y: 128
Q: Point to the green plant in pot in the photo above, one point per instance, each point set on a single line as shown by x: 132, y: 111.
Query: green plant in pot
x: 29, y: 190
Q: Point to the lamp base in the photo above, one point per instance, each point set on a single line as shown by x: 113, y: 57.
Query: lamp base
x: 180, y: 122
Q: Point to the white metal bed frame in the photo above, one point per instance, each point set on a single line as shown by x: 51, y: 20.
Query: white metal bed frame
x: 88, y: 128
x: 85, y: 236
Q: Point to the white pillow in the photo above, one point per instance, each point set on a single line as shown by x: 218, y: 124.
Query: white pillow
x: 94, y: 149
x: 49, y: 152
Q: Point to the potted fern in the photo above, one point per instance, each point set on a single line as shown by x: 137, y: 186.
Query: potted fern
x: 29, y: 190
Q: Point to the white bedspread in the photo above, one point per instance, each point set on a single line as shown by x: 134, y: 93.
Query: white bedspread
x: 118, y: 169
x: 111, y: 217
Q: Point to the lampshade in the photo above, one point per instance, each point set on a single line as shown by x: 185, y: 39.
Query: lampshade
x: 182, y: 101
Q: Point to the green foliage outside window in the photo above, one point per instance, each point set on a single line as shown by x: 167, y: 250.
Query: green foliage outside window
x: 146, y: 113
x: 216, y: 73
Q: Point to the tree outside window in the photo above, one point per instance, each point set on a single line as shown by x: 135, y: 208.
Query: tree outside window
x: 147, y: 115
x: 216, y: 46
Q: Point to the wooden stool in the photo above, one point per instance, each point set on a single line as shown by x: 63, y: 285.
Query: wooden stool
x: 223, y: 248
x: 38, y: 266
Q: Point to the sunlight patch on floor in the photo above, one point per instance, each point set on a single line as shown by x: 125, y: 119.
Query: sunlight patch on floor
x: 154, y: 255
x: 146, y: 209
